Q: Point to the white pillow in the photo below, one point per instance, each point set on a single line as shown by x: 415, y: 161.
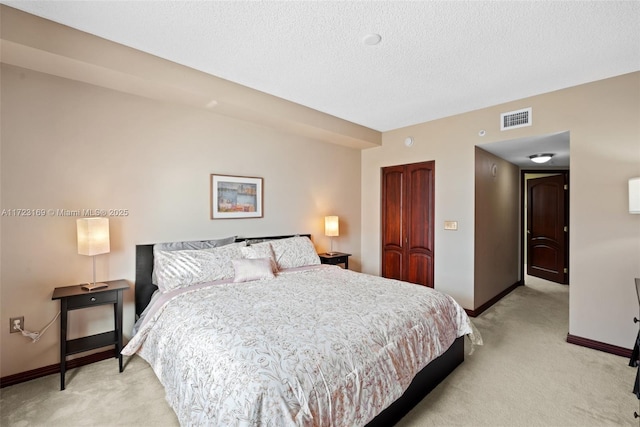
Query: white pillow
x: 294, y: 252
x: 193, y: 244
x: 260, y: 250
x: 178, y: 269
x: 252, y: 269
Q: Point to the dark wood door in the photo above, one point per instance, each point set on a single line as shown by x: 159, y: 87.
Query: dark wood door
x: 407, y: 222
x: 393, y: 219
x: 547, y: 229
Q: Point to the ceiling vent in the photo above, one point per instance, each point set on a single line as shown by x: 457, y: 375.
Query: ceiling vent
x: 515, y: 119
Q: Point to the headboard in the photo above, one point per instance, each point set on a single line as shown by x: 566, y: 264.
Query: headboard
x: 145, y: 288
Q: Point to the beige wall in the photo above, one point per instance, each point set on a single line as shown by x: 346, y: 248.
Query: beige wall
x: 71, y: 145
x: 42, y: 45
x: 497, y: 226
x: 604, y: 238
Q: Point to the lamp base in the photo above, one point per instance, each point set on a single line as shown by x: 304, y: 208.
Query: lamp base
x: 94, y: 286
x: 332, y: 253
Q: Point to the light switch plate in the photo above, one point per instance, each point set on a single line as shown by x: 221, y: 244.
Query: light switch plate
x: 451, y: 225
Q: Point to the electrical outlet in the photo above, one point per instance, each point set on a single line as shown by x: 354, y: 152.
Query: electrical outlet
x: 16, y: 321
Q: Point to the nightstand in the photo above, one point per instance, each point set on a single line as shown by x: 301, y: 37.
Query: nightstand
x: 335, y: 258
x: 73, y: 298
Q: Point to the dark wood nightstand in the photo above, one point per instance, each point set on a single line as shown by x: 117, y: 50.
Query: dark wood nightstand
x: 335, y: 258
x: 73, y: 298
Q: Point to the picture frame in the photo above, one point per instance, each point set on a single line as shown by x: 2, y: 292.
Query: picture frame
x: 234, y: 197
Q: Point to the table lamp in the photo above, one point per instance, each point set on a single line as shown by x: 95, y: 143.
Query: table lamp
x: 331, y: 229
x: 93, y: 239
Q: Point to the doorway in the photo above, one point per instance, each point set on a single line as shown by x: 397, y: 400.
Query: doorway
x: 518, y: 151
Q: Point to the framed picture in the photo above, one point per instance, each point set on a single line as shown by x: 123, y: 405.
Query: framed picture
x: 235, y: 197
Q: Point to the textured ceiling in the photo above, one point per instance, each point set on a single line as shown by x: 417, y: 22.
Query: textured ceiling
x: 517, y: 151
x: 435, y: 59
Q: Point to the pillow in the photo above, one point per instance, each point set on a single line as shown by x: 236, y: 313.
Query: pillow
x: 294, y: 252
x: 260, y: 250
x: 179, y: 269
x: 252, y: 269
x: 194, y: 244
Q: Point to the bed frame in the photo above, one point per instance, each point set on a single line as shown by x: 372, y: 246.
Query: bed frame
x: 425, y: 381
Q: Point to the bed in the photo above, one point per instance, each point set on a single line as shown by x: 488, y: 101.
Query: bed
x: 276, y: 338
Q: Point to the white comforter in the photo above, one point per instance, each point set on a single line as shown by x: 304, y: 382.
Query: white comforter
x: 318, y: 346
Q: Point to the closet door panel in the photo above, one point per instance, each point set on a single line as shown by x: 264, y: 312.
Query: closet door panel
x: 420, y: 268
x: 420, y: 206
x: 392, y: 212
x: 392, y: 188
x: 419, y: 232
x: 392, y: 264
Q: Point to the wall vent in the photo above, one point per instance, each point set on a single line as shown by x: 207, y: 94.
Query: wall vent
x: 515, y: 119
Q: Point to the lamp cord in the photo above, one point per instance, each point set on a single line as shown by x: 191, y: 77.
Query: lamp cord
x: 35, y: 336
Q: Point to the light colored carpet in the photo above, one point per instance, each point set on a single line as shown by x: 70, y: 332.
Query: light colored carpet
x: 524, y: 375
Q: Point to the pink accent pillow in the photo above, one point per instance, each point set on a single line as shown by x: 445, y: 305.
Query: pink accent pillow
x: 248, y: 269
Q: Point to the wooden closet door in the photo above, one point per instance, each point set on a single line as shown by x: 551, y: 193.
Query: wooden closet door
x: 392, y: 218
x: 419, y: 225
x: 407, y: 222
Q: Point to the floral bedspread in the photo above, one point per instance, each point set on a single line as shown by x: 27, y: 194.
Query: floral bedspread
x: 320, y: 346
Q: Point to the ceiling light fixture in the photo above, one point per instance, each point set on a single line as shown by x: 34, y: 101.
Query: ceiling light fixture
x: 541, y: 158
x: 372, y: 39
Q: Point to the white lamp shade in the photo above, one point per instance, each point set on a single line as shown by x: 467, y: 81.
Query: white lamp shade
x: 93, y: 236
x: 634, y: 195
x: 331, y: 226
